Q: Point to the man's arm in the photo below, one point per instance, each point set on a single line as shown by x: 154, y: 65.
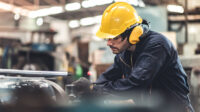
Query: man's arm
x: 147, y: 65
x: 113, y: 73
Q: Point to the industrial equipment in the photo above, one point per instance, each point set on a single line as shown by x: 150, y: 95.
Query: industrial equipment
x: 34, y: 55
x: 25, y: 89
x: 37, y: 54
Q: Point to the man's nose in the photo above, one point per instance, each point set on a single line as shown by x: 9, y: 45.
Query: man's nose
x: 109, y: 42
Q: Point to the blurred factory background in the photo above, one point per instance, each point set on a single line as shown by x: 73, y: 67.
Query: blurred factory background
x: 59, y: 35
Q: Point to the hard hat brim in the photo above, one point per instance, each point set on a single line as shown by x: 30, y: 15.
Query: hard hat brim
x: 103, y: 35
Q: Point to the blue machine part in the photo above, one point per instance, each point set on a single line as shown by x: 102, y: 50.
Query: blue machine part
x: 5, y: 57
x: 43, y: 47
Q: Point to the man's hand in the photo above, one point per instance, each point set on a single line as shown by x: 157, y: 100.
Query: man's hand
x: 82, y: 85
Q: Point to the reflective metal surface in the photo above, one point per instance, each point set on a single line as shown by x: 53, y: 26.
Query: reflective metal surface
x: 32, y: 73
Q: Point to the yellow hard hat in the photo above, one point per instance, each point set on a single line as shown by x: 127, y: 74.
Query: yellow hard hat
x: 116, y: 19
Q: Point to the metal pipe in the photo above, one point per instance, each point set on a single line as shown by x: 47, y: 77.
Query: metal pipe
x: 32, y: 73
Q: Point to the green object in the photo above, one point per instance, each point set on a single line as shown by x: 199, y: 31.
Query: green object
x: 79, y: 71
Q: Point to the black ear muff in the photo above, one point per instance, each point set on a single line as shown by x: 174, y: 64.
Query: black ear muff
x: 135, y: 34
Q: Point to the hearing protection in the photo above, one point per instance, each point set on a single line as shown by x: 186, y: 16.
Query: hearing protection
x: 135, y: 32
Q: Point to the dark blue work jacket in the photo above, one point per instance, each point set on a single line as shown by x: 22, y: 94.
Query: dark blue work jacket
x: 154, y: 67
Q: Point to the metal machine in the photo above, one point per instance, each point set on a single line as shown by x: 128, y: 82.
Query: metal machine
x: 37, y: 54
x: 34, y: 55
x: 32, y: 90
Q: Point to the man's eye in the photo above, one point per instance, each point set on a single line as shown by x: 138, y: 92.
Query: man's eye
x: 115, y: 38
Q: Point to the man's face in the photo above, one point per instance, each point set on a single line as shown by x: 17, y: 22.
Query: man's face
x: 118, y: 45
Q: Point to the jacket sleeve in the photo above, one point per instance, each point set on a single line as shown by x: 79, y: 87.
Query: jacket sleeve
x: 147, y: 65
x: 113, y: 73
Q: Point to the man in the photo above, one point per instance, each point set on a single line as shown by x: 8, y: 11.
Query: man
x: 146, y: 65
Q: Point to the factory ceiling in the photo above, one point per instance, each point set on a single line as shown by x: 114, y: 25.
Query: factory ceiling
x: 33, y: 5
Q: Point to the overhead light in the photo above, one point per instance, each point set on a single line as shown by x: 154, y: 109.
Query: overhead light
x: 72, y: 6
x: 39, y: 21
x: 92, y: 3
x: 17, y: 10
x: 24, y: 12
x: 120, y: 0
x: 32, y: 14
x: 6, y: 6
x: 46, y: 12
x: 55, y: 10
x: 14, y: 9
x: 175, y: 8
x: 87, y: 21
x: 73, y: 24
x: 88, y: 3
x: 141, y: 3
x: 16, y: 16
x: 21, y: 11
x: 133, y: 2
x: 98, y: 19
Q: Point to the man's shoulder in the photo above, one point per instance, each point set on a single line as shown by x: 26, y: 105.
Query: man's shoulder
x: 156, y: 36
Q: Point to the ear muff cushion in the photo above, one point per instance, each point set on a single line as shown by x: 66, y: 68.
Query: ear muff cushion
x: 135, y: 34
